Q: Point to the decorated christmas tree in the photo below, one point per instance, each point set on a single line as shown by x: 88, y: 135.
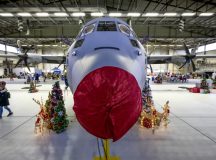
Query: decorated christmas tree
x: 53, y: 114
x: 147, y: 97
x: 57, y: 110
x: 204, y: 86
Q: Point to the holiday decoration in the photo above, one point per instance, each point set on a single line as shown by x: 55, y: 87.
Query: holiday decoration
x: 166, y: 111
x: 204, y: 86
x: 43, y: 119
x: 32, y: 88
x: 150, y: 117
x: 55, y: 103
x: 53, y: 112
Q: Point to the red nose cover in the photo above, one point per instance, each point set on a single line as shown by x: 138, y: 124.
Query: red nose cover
x: 107, y: 102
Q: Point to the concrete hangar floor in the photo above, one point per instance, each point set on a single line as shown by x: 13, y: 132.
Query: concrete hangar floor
x: 191, y: 133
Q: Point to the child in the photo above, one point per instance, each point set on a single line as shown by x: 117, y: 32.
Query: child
x: 4, y: 96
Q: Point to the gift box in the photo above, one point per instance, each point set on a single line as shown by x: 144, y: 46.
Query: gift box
x: 195, y: 90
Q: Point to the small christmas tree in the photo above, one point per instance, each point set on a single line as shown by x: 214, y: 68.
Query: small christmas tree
x: 57, y: 111
x: 204, y: 86
x: 32, y: 88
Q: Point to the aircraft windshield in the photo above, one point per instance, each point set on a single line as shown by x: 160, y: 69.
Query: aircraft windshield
x: 106, y: 26
x: 88, y: 29
x: 124, y: 29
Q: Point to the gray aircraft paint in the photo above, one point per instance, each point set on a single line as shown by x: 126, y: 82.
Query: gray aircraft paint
x: 105, y: 48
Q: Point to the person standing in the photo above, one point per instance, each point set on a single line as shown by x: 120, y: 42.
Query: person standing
x: 4, y: 99
x: 66, y: 81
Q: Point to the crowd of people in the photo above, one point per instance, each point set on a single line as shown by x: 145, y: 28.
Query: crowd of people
x: 171, y: 77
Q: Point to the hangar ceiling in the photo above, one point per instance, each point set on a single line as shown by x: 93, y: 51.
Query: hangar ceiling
x: 161, y: 28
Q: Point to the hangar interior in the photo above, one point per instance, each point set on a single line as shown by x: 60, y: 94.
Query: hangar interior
x: 163, y: 27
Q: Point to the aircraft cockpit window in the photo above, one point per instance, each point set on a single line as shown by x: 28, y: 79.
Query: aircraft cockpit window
x: 124, y: 29
x: 88, y: 29
x: 106, y: 26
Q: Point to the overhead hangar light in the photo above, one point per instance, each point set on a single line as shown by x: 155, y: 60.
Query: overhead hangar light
x: 24, y: 14
x: 170, y: 14
x: 6, y: 14
x: 42, y: 14
x: 133, y: 14
x: 60, y: 14
x: 151, y: 14
x: 97, y: 14
x: 115, y: 14
x: 78, y: 14
x: 206, y: 14
x: 39, y: 45
x: 188, y: 14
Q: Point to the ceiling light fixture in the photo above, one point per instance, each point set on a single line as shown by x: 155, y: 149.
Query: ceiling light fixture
x: 42, y: 14
x: 170, y: 14
x: 188, y: 14
x: 97, y: 14
x: 78, y: 14
x: 133, y: 14
x: 54, y: 45
x: 24, y: 14
x: 6, y: 14
x: 151, y: 14
x: 60, y: 14
x: 46, y: 45
x: 206, y: 14
x: 39, y: 45
x: 115, y: 14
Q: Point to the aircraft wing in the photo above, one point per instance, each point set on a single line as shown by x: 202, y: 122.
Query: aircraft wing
x: 162, y: 59
x: 206, y: 56
x: 57, y: 59
x: 10, y: 56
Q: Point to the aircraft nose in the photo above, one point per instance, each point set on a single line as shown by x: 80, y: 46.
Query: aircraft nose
x: 107, y: 102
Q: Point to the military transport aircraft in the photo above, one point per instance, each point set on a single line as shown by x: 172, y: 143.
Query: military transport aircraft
x: 106, y: 67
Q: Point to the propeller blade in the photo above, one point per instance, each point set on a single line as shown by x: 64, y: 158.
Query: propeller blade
x: 20, y: 60
x: 28, y: 49
x: 61, y: 63
x: 193, y: 65
x: 193, y: 51
x: 151, y: 68
x: 186, y: 49
x: 183, y: 64
x: 26, y: 64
